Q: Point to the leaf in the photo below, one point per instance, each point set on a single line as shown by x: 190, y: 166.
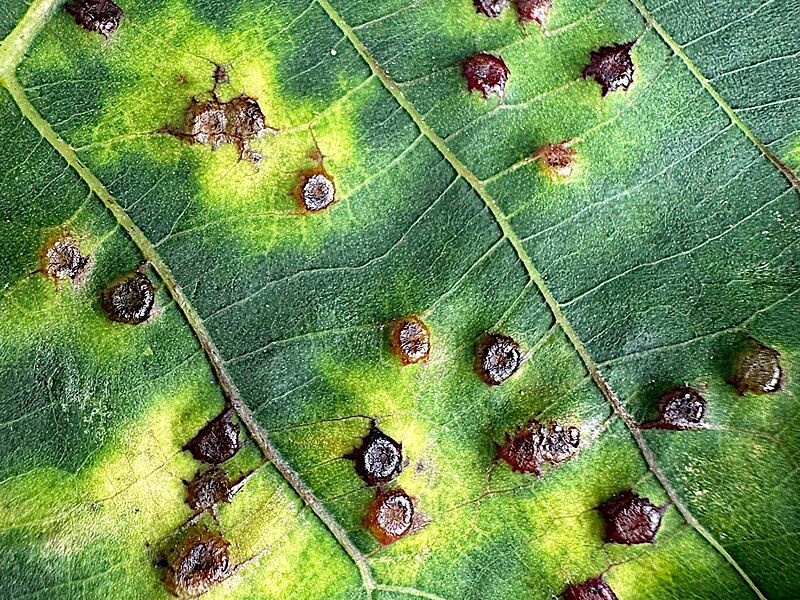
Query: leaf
x: 659, y: 245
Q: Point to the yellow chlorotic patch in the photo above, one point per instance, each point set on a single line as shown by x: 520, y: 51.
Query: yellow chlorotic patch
x: 156, y: 68
x: 130, y: 494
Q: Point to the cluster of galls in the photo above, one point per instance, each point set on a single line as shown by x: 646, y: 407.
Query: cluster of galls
x: 378, y: 460
x: 200, y: 558
x: 213, y: 122
x: 129, y: 299
x: 756, y: 370
x: 610, y: 66
x: 497, y: 356
x: 392, y: 513
x: 527, y: 10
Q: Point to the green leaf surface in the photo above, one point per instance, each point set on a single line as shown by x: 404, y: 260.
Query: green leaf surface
x: 670, y: 246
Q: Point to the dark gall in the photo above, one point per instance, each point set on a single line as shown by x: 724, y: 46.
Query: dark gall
x: 217, y: 441
x: 208, y: 489
x: 497, y: 357
x: 682, y: 408
x: 410, y: 340
x: 390, y: 515
x: 315, y: 190
x: 529, y: 447
x: 631, y: 519
x: 131, y: 299
x: 611, y: 67
x: 592, y: 589
x: 63, y: 260
x: 485, y: 73
x: 491, y: 8
x: 101, y: 16
x: 379, y: 458
x: 201, y: 562
x: 533, y: 10
x: 757, y: 370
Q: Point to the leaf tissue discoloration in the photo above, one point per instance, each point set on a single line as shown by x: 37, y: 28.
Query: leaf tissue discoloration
x: 757, y: 370
x: 611, y: 67
x: 379, y: 458
x: 199, y: 563
x: 131, y: 299
x: 631, y: 519
x: 486, y: 73
x: 217, y: 441
x: 530, y: 446
x: 101, y: 16
x: 410, y: 340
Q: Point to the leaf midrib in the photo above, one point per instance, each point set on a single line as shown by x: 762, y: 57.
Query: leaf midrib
x: 12, y: 51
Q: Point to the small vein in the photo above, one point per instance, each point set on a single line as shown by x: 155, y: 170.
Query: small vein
x: 723, y: 104
x: 680, y: 254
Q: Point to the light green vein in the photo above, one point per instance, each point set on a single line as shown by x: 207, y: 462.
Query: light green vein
x: 14, y: 47
x: 734, y: 117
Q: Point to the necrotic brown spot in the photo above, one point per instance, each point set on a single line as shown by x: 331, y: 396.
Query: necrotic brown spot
x: 315, y: 190
x: 130, y: 299
x: 680, y: 409
x: 592, y: 589
x: 410, y: 340
x: 533, y: 10
x: 209, y: 488
x: 379, y: 458
x: 218, y: 441
x: 611, y: 67
x: 213, y: 123
x: 491, y: 8
x: 532, y: 445
x: 221, y: 74
x: 497, y: 358
x: 556, y: 159
x: 201, y: 562
x: 631, y: 519
x: 102, y: 16
x: 62, y: 259
x: 390, y: 515
x: 485, y: 73
x: 758, y: 370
